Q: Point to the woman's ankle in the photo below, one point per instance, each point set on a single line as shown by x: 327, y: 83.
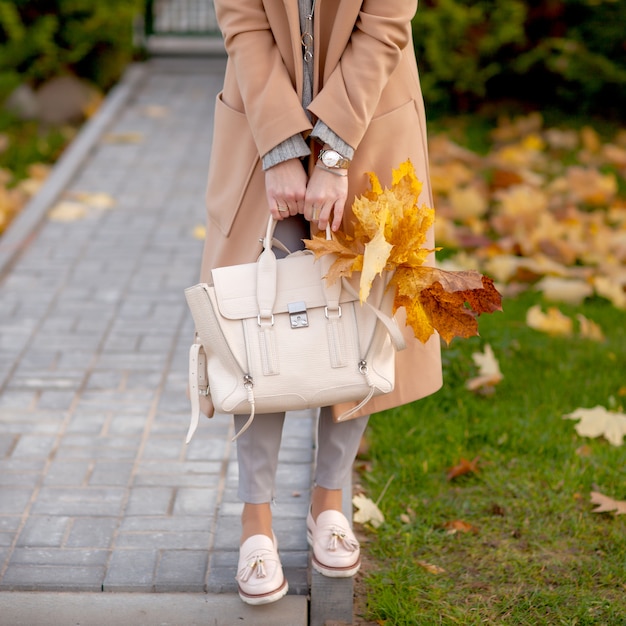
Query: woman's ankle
x: 256, y: 519
x: 325, y: 500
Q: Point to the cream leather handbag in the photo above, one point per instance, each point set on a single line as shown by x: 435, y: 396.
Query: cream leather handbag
x: 274, y: 336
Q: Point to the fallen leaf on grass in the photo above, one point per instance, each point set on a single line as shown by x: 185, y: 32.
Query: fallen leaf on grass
x: 589, y: 329
x: 569, y: 290
x: 367, y: 511
x: 489, y: 373
x: 462, y: 468
x: 433, y: 569
x: 553, y: 322
x: 459, y: 526
x: 599, y: 422
x: 611, y: 290
x: 606, y: 504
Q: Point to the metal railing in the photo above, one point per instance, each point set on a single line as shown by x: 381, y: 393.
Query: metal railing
x: 180, y: 18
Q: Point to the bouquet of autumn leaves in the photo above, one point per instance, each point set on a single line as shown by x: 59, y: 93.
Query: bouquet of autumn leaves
x: 389, y: 234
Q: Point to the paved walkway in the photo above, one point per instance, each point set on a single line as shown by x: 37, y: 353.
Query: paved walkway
x: 98, y: 491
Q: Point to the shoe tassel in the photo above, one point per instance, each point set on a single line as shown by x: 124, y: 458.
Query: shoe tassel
x: 255, y: 565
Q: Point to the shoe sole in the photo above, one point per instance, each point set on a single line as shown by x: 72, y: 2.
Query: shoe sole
x: 266, y: 598
x: 331, y: 572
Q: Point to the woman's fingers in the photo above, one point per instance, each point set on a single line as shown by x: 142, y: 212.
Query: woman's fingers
x: 285, y: 187
x: 325, y: 199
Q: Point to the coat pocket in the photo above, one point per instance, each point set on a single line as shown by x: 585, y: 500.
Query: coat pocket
x: 234, y: 157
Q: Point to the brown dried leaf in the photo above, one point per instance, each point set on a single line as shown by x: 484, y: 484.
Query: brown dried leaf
x: 462, y: 468
x: 429, y: 567
x: 459, y: 526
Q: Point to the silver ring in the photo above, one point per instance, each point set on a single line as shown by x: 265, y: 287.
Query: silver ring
x: 282, y: 209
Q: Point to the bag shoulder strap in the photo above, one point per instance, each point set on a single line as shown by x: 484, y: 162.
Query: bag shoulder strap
x: 395, y: 334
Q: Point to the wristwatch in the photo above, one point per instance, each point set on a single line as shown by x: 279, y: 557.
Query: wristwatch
x: 333, y: 160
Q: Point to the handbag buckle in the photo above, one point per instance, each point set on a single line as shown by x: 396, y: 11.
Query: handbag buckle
x: 298, y: 315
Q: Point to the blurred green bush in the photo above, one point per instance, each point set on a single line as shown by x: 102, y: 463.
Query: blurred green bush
x: 40, y: 39
x: 564, y: 54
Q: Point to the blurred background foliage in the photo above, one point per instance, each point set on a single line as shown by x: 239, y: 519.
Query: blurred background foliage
x: 41, y: 39
x: 567, y: 55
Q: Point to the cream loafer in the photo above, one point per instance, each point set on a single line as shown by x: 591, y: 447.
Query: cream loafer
x: 336, y: 552
x: 259, y: 573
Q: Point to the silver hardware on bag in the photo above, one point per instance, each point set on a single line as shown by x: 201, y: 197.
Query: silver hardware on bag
x: 297, y: 314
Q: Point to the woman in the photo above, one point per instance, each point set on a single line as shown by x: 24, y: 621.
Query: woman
x: 316, y: 93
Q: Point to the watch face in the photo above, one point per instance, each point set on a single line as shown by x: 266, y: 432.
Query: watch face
x: 330, y: 158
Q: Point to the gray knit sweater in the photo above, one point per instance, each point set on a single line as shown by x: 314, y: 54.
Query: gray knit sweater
x: 296, y: 147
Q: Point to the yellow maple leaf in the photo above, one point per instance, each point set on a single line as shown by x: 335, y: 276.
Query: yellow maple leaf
x: 374, y: 262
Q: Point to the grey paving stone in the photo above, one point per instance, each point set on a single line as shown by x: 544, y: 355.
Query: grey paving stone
x: 180, y: 480
x: 70, y: 473
x: 17, y: 479
x: 53, y: 557
x: 195, y: 501
x: 85, y: 422
x: 14, y: 500
x: 45, y: 531
x: 131, y: 571
x: 82, y: 501
x: 181, y: 524
x: 21, y: 400
x: 33, y: 446
x: 181, y: 570
x: 57, y: 400
x: 202, y: 449
x: 175, y: 540
x: 164, y: 448
x: 92, y: 532
x: 150, y: 501
x: 52, y: 578
x: 113, y: 473
x: 124, y: 425
x: 96, y: 449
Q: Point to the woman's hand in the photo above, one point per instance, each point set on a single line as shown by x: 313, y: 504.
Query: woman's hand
x: 326, y: 195
x: 285, y: 187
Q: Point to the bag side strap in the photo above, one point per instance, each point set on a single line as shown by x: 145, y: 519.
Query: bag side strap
x: 198, y: 385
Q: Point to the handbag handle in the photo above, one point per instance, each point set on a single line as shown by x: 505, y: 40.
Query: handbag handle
x: 266, y: 277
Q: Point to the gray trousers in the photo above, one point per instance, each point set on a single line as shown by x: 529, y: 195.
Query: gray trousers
x: 257, y: 453
x: 257, y: 448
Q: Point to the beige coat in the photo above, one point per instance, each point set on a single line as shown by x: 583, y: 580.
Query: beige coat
x: 366, y: 90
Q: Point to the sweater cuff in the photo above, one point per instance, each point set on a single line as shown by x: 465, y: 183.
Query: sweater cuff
x: 327, y: 135
x: 294, y: 147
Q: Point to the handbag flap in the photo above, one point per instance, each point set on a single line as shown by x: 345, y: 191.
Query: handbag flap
x: 298, y: 278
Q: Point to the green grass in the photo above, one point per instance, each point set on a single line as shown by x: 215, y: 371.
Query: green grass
x: 540, y: 555
x: 29, y: 142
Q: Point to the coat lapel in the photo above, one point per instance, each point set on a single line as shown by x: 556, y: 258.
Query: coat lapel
x: 333, y: 27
